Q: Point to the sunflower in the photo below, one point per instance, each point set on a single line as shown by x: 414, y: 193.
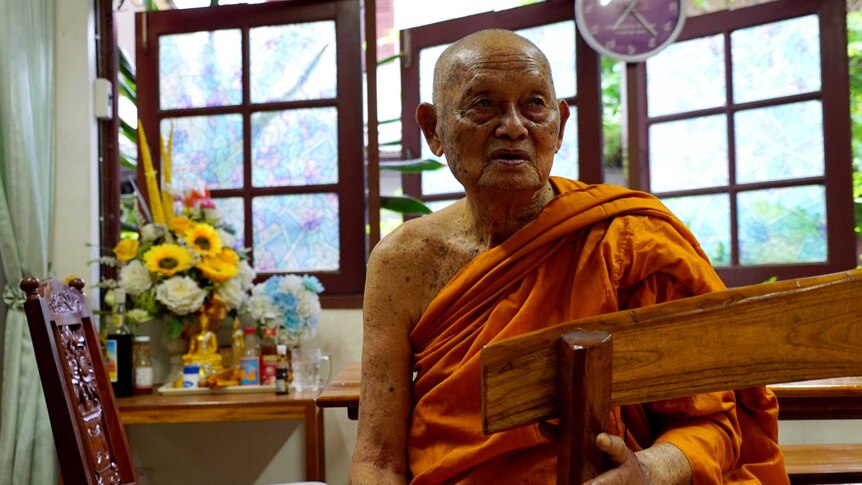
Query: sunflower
x: 229, y: 256
x: 204, y: 239
x: 126, y: 249
x: 217, y: 269
x: 180, y: 225
x: 167, y: 259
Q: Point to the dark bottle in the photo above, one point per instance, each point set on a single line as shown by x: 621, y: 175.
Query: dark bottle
x: 118, y: 348
x: 282, y: 383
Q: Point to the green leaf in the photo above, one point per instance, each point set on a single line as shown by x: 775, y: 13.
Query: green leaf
x: 403, y: 205
x: 390, y: 120
x: 126, y: 67
x: 128, y: 161
x: 415, y: 165
x: 129, y: 132
x: 389, y: 59
x: 175, y: 327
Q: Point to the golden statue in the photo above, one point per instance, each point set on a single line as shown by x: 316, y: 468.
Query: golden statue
x: 203, y: 347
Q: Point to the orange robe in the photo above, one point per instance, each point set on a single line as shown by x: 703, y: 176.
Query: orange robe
x: 591, y: 250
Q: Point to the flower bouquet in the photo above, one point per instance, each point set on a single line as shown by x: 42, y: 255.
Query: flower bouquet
x: 292, y: 301
x: 179, y: 262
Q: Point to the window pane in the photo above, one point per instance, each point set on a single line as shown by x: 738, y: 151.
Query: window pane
x: 556, y: 41
x: 785, y: 225
x: 294, y: 147
x: 566, y: 160
x: 708, y: 218
x: 688, y: 154
x: 200, y: 69
x: 780, y: 142
x: 293, y: 62
x: 296, y: 232
x: 439, y: 204
x: 207, y: 151
x: 777, y: 59
x: 686, y: 76
x: 233, y: 214
x: 427, y: 58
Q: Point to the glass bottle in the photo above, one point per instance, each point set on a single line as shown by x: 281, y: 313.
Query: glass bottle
x: 118, y: 348
x: 250, y: 361
x: 143, y: 365
x: 282, y: 384
x: 268, y: 357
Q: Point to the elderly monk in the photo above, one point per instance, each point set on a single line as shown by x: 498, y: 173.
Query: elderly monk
x: 522, y: 251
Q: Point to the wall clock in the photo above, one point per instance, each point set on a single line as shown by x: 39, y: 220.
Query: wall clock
x: 629, y: 30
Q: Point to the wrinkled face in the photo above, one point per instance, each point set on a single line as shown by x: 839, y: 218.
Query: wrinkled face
x: 499, y: 123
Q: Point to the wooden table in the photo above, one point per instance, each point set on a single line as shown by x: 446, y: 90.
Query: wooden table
x: 820, y: 399
x: 155, y: 409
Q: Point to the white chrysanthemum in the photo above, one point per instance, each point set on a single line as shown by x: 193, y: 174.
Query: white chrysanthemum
x: 181, y: 295
x: 260, y: 305
x: 308, y: 306
x: 138, y: 315
x: 227, y: 239
x: 233, y: 293
x: 212, y: 215
x: 245, y: 275
x: 151, y: 232
x: 135, y: 278
x: 291, y: 284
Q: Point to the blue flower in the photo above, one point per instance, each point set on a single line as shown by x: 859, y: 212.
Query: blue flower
x: 311, y: 283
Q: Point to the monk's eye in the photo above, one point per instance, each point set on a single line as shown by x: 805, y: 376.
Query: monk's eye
x: 537, y: 102
x: 483, y: 103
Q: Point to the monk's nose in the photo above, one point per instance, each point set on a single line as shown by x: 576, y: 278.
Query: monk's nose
x: 511, y: 124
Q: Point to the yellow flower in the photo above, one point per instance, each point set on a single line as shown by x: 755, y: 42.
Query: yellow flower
x: 204, y: 239
x: 217, y: 269
x: 180, y: 225
x: 167, y: 259
x: 229, y: 256
x: 126, y: 249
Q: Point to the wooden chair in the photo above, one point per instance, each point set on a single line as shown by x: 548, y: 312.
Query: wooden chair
x: 809, y: 328
x: 88, y: 435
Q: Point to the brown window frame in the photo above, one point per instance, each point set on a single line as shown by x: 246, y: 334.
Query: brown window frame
x: 345, y: 286
x: 837, y: 178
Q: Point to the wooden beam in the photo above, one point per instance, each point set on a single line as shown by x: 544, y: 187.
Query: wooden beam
x: 808, y: 328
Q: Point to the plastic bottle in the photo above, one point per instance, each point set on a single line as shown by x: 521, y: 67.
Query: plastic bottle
x: 268, y: 357
x: 143, y: 365
x: 250, y: 361
x: 118, y: 348
x: 282, y: 384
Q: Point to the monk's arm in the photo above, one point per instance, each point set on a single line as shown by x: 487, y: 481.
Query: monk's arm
x: 380, y: 456
x: 660, y: 464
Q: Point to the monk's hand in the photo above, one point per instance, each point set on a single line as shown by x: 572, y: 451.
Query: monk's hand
x: 628, y: 469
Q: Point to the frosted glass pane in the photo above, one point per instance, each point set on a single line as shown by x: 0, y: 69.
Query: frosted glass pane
x: 777, y: 59
x: 708, y: 218
x: 557, y: 41
x: 786, y: 225
x: 294, y: 147
x: 566, y: 161
x: 296, y: 233
x: 200, y: 69
x: 686, y: 76
x: 779, y: 142
x: 233, y: 214
x: 688, y: 154
x: 293, y: 62
x: 207, y: 151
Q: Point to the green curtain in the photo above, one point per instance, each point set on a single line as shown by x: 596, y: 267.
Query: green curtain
x: 27, y: 453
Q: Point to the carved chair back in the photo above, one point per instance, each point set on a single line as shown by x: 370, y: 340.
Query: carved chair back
x: 88, y: 435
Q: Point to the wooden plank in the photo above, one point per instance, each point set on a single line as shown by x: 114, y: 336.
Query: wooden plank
x: 823, y: 463
x: 808, y: 328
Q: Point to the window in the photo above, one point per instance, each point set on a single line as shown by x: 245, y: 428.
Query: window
x: 739, y: 139
x: 265, y: 105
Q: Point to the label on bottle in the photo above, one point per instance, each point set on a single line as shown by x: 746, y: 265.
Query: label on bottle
x: 143, y: 379
x: 267, y: 369
x: 281, y: 380
x: 111, y: 359
x: 251, y: 370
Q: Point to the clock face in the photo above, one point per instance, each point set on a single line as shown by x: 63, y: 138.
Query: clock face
x: 629, y: 30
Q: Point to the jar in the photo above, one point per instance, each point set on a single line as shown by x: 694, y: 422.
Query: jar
x: 191, y: 375
x: 143, y: 365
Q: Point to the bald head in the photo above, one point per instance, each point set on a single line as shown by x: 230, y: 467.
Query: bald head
x: 471, y: 49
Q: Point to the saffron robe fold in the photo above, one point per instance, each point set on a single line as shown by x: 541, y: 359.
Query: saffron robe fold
x: 591, y: 250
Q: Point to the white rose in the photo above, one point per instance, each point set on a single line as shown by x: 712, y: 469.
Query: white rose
x: 180, y: 294
x: 135, y: 278
x: 245, y: 275
x: 227, y: 239
x: 151, y: 232
x: 233, y: 293
x: 291, y: 284
x: 212, y: 215
x: 138, y: 315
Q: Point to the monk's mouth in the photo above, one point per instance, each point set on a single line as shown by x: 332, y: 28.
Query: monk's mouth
x: 510, y: 157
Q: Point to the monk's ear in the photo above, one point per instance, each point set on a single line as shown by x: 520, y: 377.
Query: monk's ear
x: 426, y: 117
x: 564, y: 117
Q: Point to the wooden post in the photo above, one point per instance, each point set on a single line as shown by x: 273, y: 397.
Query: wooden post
x: 585, y: 399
